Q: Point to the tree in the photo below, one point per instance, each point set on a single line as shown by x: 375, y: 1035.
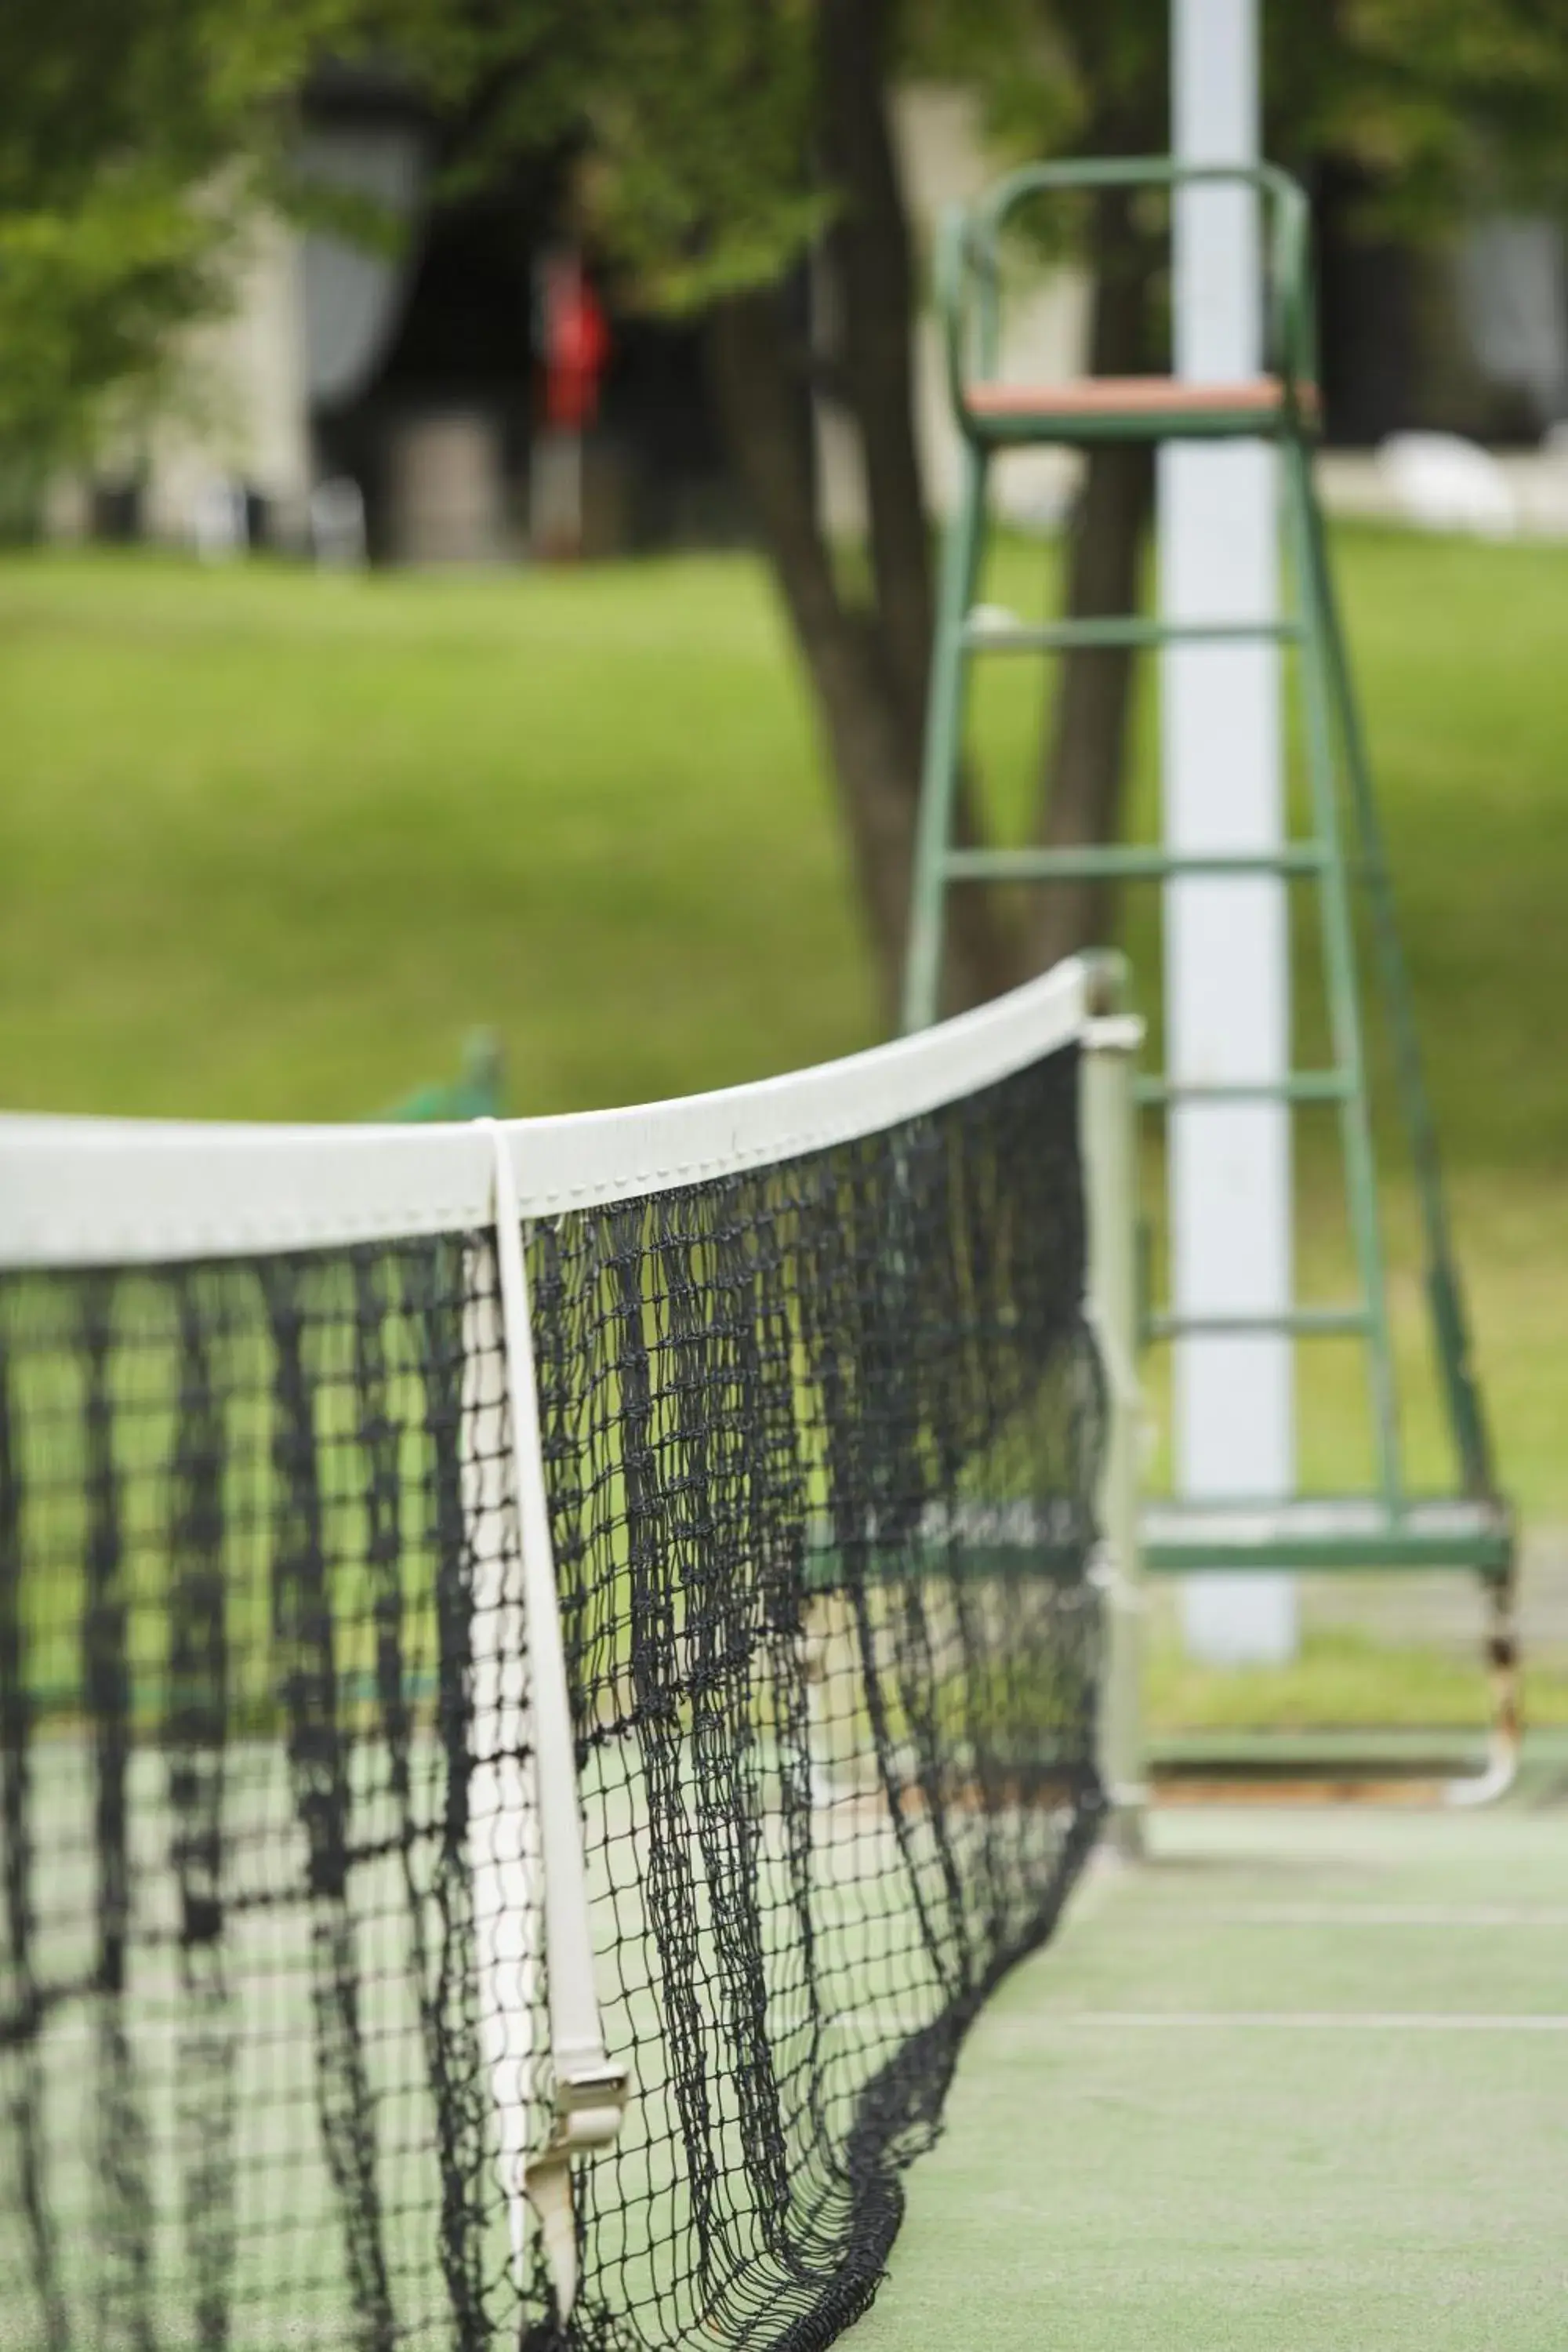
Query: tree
x: 738, y: 161
x: 740, y: 165
x: 136, y: 144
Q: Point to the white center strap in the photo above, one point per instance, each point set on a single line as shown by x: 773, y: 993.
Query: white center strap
x: 1120, y: 1372
x: 590, y: 2088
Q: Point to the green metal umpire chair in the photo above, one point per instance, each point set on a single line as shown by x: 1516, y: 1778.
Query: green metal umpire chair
x: 1338, y: 855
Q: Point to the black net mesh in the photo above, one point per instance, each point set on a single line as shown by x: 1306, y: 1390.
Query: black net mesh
x: 821, y: 1442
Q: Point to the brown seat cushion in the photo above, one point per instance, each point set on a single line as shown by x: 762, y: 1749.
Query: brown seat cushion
x: 1128, y: 395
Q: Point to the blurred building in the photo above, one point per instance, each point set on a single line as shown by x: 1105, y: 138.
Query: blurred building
x: 1468, y: 337
x: 410, y: 372
x: 392, y: 397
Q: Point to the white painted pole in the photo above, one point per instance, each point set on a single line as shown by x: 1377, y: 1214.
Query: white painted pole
x: 1226, y: 976
x: 1110, y: 1164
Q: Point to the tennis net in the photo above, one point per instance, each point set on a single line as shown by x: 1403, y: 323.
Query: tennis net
x: 546, y: 1670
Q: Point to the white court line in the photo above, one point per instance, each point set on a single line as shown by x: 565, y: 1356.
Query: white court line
x: 1311, y: 2021
x: 1385, y: 1915
x: 870, y: 2024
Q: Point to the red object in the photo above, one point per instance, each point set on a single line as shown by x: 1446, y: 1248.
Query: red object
x: 576, y: 347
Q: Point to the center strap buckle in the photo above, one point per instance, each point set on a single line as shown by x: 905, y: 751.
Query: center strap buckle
x: 590, y: 2106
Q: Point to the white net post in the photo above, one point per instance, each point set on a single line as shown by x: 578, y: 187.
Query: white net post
x: 1111, y: 1186
x: 1226, y: 937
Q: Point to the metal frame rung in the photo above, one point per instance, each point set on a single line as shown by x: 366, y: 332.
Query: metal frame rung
x: 1327, y: 1533
x: 1299, y: 1087
x: 1112, y: 861
x: 1344, y: 848
x: 1301, y: 1322
x: 1114, y: 631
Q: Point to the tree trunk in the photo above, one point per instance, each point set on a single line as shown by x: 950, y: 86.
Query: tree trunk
x: 761, y: 401
x: 1085, y: 761
x: 868, y: 252
x: 868, y: 666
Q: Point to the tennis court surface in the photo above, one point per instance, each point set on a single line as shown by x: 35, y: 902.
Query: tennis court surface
x: 1298, y: 2085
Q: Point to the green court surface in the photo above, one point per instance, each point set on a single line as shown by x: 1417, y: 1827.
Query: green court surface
x: 1298, y: 2083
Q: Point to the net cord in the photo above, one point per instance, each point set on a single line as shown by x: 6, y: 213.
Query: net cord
x: 88, y: 1192
x: 590, y: 2089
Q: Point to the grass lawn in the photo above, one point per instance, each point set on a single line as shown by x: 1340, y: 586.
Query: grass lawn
x: 269, y: 843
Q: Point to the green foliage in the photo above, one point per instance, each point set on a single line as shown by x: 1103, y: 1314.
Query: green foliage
x: 694, y: 121
x: 700, y: 120
x: 1442, y: 103
x: 702, y: 125
x: 506, y: 76
x: 88, y: 296
x: 1053, y: 76
x: 182, y: 85
x: 136, y: 142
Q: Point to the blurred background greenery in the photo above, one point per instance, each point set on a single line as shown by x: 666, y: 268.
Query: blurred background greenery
x: 272, y: 841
